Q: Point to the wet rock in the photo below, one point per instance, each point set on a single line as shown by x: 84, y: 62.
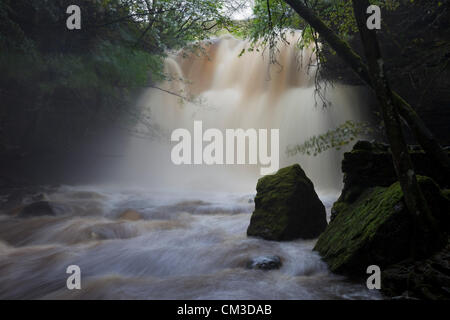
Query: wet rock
x: 265, y: 263
x: 36, y: 209
x: 287, y: 207
x: 375, y: 229
x: 427, y: 279
x: 11, y: 203
x: 13, y: 200
x: 370, y: 224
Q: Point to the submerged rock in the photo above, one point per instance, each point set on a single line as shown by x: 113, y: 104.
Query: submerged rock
x: 13, y: 200
x: 36, y: 209
x: 287, y: 207
x: 265, y: 263
x: 375, y: 229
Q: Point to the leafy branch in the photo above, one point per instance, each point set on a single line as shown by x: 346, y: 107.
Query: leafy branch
x: 332, y: 139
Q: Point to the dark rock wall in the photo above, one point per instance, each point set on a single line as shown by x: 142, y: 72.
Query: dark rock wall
x: 370, y: 164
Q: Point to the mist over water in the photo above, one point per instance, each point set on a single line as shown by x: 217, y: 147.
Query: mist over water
x: 179, y: 232
x: 246, y: 91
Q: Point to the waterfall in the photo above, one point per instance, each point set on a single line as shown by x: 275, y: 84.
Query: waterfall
x: 179, y: 232
x: 234, y: 90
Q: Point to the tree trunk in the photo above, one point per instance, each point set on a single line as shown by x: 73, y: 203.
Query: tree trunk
x: 422, y: 133
x: 414, y: 199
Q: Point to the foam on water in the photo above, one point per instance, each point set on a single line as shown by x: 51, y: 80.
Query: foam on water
x: 175, y: 250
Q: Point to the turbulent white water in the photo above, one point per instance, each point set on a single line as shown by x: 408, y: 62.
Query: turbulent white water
x: 183, y: 246
x: 186, y: 236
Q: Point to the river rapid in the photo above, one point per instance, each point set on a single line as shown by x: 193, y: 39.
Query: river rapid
x: 143, y: 244
x: 182, y: 233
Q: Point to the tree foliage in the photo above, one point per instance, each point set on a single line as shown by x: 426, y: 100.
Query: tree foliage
x: 332, y: 139
x: 274, y: 19
x: 120, y: 48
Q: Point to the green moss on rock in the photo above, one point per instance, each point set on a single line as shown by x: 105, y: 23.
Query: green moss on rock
x: 376, y: 228
x: 446, y: 193
x: 287, y: 207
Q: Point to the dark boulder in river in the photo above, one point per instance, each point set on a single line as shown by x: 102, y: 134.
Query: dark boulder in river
x: 287, y: 207
x: 36, y: 209
x: 265, y: 263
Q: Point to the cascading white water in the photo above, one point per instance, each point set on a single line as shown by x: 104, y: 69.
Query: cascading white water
x: 182, y: 234
x: 243, y: 91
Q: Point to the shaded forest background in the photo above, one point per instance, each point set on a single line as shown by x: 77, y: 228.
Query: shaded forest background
x: 63, y: 92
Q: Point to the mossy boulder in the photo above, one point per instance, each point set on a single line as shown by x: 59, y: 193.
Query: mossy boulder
x: 287, y: 207
x: 376, y: 229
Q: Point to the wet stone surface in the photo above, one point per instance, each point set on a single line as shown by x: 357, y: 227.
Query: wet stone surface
x: 265, y: 263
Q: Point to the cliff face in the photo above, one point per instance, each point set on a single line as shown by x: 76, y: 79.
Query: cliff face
x: 415, y: 40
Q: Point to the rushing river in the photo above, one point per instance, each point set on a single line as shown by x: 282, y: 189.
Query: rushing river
x: 167, y: 244
x: 139, y: 244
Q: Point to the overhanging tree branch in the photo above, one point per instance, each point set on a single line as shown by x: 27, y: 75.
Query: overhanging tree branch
x: 351, y: 58
x: 414, y: 198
